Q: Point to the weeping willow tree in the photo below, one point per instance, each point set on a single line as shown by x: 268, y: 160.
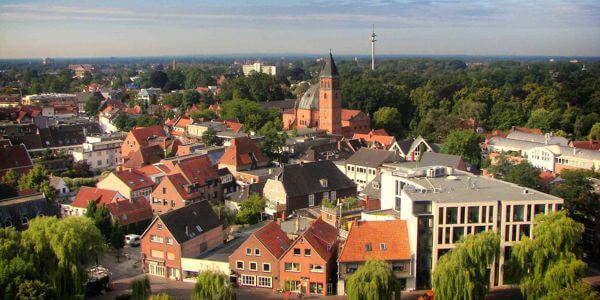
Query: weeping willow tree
x: 160, y: 297
x: 463, y: 272
x: 140, y: 288
x: 212, y: 285
x: 373, y: 281
x: 546, y: 264
x: 61, y: 250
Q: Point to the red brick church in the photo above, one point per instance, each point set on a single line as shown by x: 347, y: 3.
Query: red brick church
x: 321, y: 107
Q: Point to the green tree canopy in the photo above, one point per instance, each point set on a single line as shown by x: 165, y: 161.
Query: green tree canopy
x: 140, y: 288
x: 92, y: 106
x: 251, y: 209
x: 273, y: 141
x: 373, y: 281
x: 524, y: 174
x: 212, y: 285
x: 34, y: 178
x: 595, y: 132
x: 546, y: 264
x: 464, y: 143
x: 209, y: 137
x: 462, y: 273
x: 388, y: 118
x: 117, y: 237
x: 577, y: 190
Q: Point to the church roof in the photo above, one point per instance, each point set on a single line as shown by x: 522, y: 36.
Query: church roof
x: 329, y: 70
x: 310, y: 99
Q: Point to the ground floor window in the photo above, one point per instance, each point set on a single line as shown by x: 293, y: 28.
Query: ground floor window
x: 248, y: 280
x: 264, y: 281
x: 316, y: 288
x: 292, y: 285
x: 157, y: 270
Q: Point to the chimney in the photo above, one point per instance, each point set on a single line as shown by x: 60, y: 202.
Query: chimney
x: 367, y: 202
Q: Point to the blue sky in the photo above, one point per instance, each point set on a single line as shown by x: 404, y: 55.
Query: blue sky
x: 126, y: 28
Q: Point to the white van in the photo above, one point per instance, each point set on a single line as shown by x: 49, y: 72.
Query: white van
x: 132, y: 240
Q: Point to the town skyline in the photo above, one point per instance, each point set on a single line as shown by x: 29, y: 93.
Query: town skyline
x: 184, y: 28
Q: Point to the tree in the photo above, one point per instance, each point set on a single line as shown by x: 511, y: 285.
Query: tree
x: 273, y: 141
x: 10, y: 177
x: 103, y: 221
x: 35, y: 290
x: 209, y: 137
x: 464, y: 143
x: 91, y: 209
x: 251, y: 209
x: 547, y: 264
x: 92, y: 106
x: 544, y: 119
x: 34, y: 178
x: 578, y: 290
x: 595, y: 132
x: 161, y: 296
x: 578, y: 192
x: 388, y: 118
x: 212, y: 285
x: 463, y: 272
x: 117, y: 238
x: 158, y: 79
x: 140, y: 288
x: 49, y: 192
x: 373, y: 281
x: 524, y: 174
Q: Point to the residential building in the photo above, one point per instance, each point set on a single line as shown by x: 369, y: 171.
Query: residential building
x: 17, y: 212
x: 306, y: 185
x: 197, y: 129
x: 78, y: 207
x: 259, y: 68
x: 309, y: 264
x: 381, y: 240
x: 255, y: 262
x: 142, y: 137
x: 378, y: 139
x: 100, y: 152
x: 134, y: 214
x: 48, y: 98
x: 180, y: 128
x: 412, y: 149
x: 589, y: 144
x: 146, y: 95
x: 242, y: 154
x: 189, y: 181
x: 321, y: 107
x: 128, y: 183
x: 60, y: 186
x: 155, y: 171
x: 227, y: 180
x: 365, y: 164
x: 187, y: 232
x: 441, y: 204
x: 15, y: 158
x: 81, y: 69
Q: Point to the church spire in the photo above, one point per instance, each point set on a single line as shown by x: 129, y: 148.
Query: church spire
x: 330, y: 69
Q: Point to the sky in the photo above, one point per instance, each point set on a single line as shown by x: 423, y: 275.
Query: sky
x: 86, y: 28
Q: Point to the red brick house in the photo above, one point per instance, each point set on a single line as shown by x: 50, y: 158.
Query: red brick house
x: 190, y: 180
x: 256, y: 261
x: 381, y: 240
x: 131, y: 213
x: 309, y: 264
x: 15, y: 158
x: 186, y: 232
x: 141, y: 137
x: 242, y: 154
x: 78, y: 207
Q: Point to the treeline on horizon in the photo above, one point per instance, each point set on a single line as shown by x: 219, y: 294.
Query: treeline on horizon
x: 432, y: 96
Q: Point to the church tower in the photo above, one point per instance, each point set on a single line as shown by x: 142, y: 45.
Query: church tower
x: 330, y: 98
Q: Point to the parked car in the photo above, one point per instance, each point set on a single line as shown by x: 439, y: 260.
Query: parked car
x: 98, y: 282
x: 132, y: 240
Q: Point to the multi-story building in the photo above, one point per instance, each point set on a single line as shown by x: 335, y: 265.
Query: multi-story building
x: 128, y: 183
x: 413, y: 149
x: 382, y: 240
x: 242, y: 154
x: 364, y: 165
x: 256, y: 261
x: 46, y: 99
x: 309, y: 264
x: 187, y: 232
x: 100, y: 152
x: 441, y: 205
x: 259, y: 68
x: 146, y: 95
x: 306, y: 185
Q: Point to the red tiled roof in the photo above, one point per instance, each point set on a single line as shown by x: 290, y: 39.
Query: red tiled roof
x: 590, y: 145
x: 546, y: 177
x: 239, y: 152
x: 141, y: 134
x: 130, y: 211
x: 393, y: 233
x: 202, y: 89
x: 179, y: 181
x: 383, y: 139
x: 235, y: 126
x: 273, y: 238
x: 527, y: 130
x: 142, y: 157
x: 134, y: 180
x: 197, y: 169
x: 348, y: 114
x: 15, y: 157
x: 183, y: 122
x: 150, y: 170
x: 322, y: 237
x: 100, y: 196
x: 215, y: 107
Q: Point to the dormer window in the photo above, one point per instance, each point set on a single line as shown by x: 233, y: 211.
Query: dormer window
x: 323, y: 182
x: 376, y: 185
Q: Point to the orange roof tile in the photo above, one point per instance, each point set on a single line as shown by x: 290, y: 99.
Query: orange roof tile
x: 100, y: 196
x: 238, y: 153
x: 273, y: 238
x: 379, y: 136
x: 348, y: 114
x: 590, y: 145
x: 197, y: 169
x: 130, y: 211
x: 134, y: 180
x: 393, y: 233
x: 235, y: 126
x: 141, y: 134
x: 322, y: 237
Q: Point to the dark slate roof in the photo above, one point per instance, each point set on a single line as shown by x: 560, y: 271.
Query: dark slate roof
x: 405, y: 145
x: 14, y: 210
x: 371, y: 158
x: 373, y: 188
x: 304, y: 179
x: 329, y: 70
x: 190, y: 221
x: 245, y: 191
